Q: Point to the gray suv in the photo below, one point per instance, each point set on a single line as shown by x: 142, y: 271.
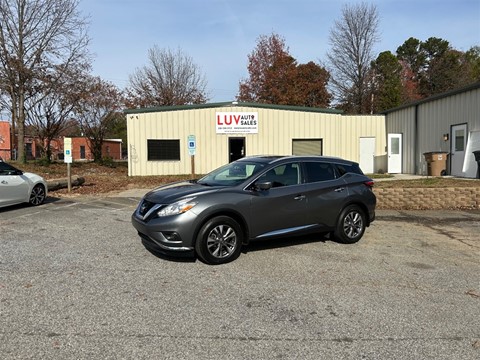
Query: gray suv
x: 256, y: 198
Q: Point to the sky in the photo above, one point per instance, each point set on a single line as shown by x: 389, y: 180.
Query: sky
x: 220, y: 34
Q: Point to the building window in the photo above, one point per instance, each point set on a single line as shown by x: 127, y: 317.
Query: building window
x: 307, y: 147
x: 28, y: 151
x: 82, y: 152
x: 163, y: 150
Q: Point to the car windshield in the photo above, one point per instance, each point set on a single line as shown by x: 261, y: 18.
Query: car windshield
x: 6, y: 169
x: 232, y: 174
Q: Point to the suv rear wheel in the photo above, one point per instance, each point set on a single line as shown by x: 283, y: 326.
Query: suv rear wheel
x: 350, y: 226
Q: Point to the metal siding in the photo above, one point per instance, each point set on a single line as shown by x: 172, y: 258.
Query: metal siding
x: 403, y: 122
x: 276, y: 129
x: 355, y: 127
x: 432, y: 124
x: 435, y: 118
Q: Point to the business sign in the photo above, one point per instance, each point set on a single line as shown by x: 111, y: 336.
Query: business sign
x: 236, y: 122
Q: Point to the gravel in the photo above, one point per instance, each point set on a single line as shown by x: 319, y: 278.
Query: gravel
x: 76, y: 283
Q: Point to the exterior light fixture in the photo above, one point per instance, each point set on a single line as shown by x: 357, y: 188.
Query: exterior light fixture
x: 445, y: 137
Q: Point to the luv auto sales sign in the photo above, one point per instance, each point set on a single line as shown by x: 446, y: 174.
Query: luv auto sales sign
x: 236, y: 122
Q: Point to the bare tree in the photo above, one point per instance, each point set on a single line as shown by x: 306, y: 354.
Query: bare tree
x: 36, y: 35
x: 352, y: 39
x: 50, y: 108
x: 98, y: 112
x: 170, y: 78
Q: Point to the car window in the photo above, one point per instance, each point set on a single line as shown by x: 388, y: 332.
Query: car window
x: 319, y: 171
x: 349, y: 168
x: 283, y: 175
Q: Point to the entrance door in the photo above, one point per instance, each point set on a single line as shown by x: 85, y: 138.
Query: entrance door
x: 367, y: 154
x: 236, y: 148
x: 394, y: 153
x: 457, y: 151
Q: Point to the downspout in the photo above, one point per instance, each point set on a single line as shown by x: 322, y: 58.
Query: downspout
x: 129, y: 149
x: 415, y: 143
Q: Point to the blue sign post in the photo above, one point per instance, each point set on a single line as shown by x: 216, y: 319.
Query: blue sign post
x: 192, y: 146
x: 68, y: 158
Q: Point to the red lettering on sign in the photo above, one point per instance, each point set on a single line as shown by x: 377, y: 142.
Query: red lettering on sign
x: 228, y: 119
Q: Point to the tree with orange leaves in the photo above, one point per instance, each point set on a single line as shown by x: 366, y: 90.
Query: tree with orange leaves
x: 275, y: 77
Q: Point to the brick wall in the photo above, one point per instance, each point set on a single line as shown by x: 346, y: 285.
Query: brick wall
x: 4, y: 140
x: 428, y: 198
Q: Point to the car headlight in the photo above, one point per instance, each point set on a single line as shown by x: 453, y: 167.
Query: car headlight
x: 178, y: 207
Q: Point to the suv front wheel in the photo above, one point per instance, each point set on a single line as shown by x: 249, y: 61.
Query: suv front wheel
x: 219, y: 241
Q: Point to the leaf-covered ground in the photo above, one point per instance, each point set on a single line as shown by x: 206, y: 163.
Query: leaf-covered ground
x: 101, y: 179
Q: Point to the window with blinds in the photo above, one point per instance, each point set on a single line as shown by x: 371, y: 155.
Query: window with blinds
x: 307, y: 147
x: 163, y: 150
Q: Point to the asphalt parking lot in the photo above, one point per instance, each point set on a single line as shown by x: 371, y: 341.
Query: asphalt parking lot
x: 76, y: 283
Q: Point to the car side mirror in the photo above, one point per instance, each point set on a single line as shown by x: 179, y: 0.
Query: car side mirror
x: 263, y: 185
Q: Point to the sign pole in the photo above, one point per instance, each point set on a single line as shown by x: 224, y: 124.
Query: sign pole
x: 69, y: 175
x: 68, y: 158
x: 192, y: 158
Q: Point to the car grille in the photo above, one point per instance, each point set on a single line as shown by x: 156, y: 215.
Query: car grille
x: 145, y: 207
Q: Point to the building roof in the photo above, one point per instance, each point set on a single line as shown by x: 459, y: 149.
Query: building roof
x: 231, y: 104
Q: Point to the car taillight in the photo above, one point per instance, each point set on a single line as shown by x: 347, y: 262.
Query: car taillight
x: 369, y: 183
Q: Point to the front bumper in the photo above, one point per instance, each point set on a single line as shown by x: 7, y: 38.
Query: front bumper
x: 169, y: 235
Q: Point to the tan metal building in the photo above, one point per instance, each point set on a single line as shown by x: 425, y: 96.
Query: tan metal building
x: 200, y: 138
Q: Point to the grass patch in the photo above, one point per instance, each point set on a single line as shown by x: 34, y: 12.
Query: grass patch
x: 429, y: 182
x: 380, y: 176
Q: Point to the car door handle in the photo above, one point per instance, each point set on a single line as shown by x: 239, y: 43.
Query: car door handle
x: 340, y: 189
x: 299, y: 197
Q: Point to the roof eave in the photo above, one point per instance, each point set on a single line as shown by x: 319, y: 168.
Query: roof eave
x: 230, y: 104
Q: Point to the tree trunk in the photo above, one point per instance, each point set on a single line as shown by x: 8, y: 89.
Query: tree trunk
x: 21, y: 127
x: 97, y: 151
x: 14, y: 128
x: 63, y: 183
x: 47, y: 150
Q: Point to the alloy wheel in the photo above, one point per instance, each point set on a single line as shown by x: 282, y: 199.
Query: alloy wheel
x: 37, y: 196
x: 221, y: 241
x: 353, y: 224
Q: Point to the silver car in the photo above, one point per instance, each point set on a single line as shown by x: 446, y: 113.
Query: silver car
x: 18, y: 187
x: 256, y: 198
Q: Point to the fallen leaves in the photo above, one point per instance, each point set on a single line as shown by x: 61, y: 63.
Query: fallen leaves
x: 98, y: 179
x: 473, y: 293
